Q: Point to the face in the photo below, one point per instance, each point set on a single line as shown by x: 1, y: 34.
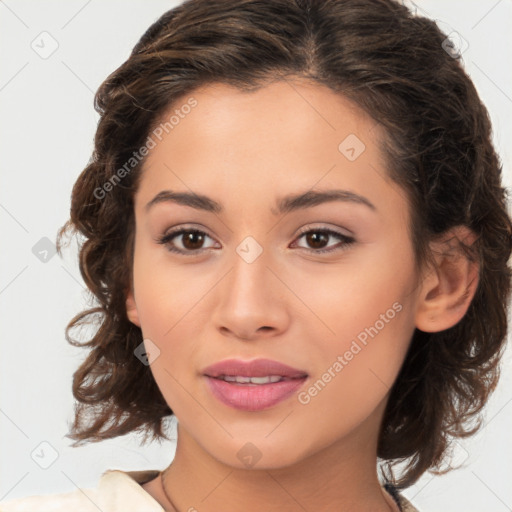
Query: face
x: 322, y: 284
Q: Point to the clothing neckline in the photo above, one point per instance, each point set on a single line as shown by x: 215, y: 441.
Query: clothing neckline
x: 141, y: 477
x: 115, y: 483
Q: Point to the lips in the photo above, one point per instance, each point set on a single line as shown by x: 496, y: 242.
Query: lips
x: 255, y: 368
x: 253, y: 385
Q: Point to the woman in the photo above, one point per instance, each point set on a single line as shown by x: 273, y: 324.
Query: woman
x: 260, y: 168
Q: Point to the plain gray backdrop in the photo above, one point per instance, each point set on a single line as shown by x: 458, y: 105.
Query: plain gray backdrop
x: 54, y: 55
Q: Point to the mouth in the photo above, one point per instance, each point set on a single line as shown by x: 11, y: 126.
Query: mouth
x: 253, y: 385
x: 252, y: 381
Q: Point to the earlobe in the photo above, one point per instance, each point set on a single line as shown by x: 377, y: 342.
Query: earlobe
x: 131, y: 309
x: 447, y: 292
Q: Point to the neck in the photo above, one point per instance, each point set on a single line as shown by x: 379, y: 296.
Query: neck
x: 341, y: 477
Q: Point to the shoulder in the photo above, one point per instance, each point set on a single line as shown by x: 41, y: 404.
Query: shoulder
x: 80, y: 500
x: 117, y: 491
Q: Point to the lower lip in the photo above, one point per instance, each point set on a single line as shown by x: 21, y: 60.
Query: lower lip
x: 255, y: 397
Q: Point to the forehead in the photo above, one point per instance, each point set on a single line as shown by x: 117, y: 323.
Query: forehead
x: 287, y: 108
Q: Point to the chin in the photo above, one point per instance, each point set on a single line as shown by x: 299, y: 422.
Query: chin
x: 258, y: 454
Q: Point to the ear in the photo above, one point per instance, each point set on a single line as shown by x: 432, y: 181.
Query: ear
x: 447, y: 291
x: 131, y: 309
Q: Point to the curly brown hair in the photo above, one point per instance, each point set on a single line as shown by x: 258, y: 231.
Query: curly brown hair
x: 438, y: 148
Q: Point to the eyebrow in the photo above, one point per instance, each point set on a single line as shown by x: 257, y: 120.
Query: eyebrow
x: 285, y: 204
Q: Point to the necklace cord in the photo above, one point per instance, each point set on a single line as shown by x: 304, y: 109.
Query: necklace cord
x: 165, y: 492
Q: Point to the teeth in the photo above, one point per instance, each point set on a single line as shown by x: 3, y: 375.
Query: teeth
x: 251, y: 380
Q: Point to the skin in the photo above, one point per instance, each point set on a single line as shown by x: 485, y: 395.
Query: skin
x: 290, y: 304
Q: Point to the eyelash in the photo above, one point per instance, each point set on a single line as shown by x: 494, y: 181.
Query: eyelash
x: 166, y: 238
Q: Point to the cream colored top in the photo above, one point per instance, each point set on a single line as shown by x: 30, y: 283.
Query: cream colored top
x: 117, y: 491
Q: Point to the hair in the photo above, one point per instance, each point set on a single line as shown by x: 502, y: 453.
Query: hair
x: 438, y: 148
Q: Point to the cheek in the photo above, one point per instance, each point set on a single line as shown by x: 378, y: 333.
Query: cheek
x: 357, y: 374
x: 340, y: 303
x: 165, y: 294
x: 367, y: 324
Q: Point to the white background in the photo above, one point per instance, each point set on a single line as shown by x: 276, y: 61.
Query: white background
x: 47, y: 128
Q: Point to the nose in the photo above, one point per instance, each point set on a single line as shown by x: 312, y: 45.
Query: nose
x: 251, y: 301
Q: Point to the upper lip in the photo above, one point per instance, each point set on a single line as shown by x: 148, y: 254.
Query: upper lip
x: 254, y: 368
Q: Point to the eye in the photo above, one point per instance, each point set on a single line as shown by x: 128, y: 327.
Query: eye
x: 192, y: 240
x: 318, y: 237
x: 191, y: 243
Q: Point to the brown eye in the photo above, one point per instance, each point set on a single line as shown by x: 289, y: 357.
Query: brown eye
x: 317, y: 240
x: 192, y: 241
